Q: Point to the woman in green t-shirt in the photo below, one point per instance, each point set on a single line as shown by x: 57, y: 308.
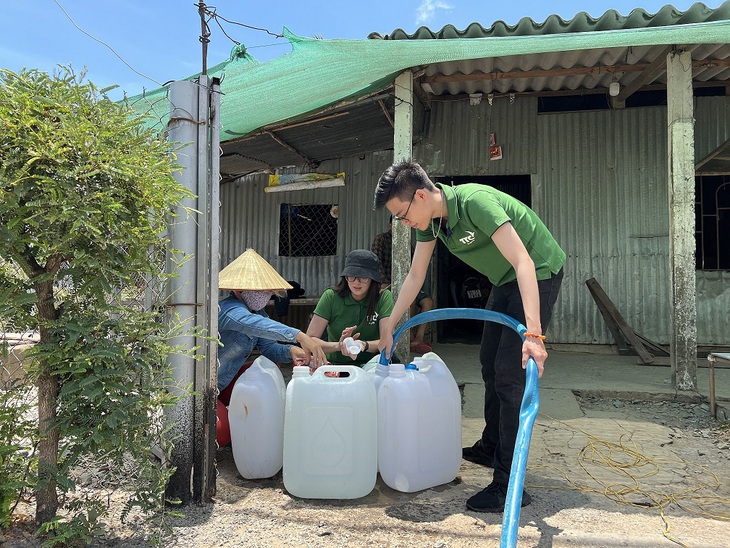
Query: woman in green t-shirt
x: 355, y: 308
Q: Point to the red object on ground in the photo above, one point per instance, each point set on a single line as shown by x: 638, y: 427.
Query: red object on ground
x: 420, y: 347
x: 222, y: 428
x: 225, y: 395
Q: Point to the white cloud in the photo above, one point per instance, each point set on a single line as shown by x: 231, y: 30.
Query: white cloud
x: 425, y: 12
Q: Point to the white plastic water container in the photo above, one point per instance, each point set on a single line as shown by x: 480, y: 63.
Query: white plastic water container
x: 376, y: 371
x: 419, y: 426
x: 330, y: 434
x: 256, y: 418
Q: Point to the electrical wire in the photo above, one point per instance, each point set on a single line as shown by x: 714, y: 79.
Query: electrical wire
x: 624, y: 459
x: 211, y: 10
x: 105, y: 44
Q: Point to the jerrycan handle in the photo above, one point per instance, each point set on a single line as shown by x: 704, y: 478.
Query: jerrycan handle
x: 335, y: 371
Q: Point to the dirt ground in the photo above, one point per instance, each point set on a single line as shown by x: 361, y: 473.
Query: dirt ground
x: 659, y: 474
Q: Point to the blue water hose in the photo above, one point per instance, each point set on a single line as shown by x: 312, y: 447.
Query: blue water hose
x: 528, y: 409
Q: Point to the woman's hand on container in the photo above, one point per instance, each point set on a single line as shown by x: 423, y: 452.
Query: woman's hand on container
x: 299, y: 356
x: 312, y: 346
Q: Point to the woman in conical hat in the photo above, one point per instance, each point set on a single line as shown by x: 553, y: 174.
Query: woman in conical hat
x: 244, y: 325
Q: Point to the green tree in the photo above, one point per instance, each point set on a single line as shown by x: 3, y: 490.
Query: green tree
x: 86, y: 192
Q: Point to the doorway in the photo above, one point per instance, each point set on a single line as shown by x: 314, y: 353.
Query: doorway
x: 460, y: 286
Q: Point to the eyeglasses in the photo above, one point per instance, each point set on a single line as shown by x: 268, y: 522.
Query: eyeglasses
x: 359, y: 279
x: 405, y: 215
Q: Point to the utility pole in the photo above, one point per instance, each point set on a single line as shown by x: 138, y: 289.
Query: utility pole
x: 204, y: 36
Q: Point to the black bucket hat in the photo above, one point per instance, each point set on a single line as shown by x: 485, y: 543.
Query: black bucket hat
x: 362, y: 264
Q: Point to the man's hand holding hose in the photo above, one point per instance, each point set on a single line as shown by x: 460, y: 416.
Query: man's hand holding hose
x: 407, y: 294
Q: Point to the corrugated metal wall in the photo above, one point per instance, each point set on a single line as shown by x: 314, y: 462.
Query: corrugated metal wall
x: 598, y: 181
x: 712, y: 128
x: 457, y: 140
x: 602, y: 191
x: 712, y: 124
x: 250, y: 218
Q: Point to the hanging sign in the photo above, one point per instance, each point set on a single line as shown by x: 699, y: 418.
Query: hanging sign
x: 304, y: 181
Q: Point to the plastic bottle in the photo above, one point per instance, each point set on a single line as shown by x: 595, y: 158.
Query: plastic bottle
x: 303, y: 362
x: 419, y: 425
x: 376, y: 370
x: 352, y: 346
x: 256, y: 418
x: 330, y: 434
x: 379, y: 374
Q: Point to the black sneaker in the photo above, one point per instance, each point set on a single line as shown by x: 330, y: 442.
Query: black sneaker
x: 492, y: 498
x: 478, y: 455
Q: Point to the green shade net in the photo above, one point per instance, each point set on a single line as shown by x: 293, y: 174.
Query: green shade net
x: 318, y: 73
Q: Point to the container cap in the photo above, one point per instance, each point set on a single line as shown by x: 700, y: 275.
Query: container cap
x: 397, y: 369
x: 412, y: 366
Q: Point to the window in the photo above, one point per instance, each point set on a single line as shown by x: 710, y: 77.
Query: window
x: 307, y: 230
x: 601, y: 101
x: 712, y: 222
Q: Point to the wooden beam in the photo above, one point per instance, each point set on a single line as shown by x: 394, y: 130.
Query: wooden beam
x: 423, y: 96
x: 647, y: 76
x: 722, y: 152
x: 387, y: 114
x: 548, y: 73
x: 655, y: 348
x: 310, y: 162
x: 620, y: 329
x: 569, y: 92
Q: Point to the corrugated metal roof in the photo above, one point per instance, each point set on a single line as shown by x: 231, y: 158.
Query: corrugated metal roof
x: 582, y: 22
x: 583, y: 71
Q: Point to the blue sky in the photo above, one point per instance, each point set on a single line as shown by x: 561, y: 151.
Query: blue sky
x: 159, y: 39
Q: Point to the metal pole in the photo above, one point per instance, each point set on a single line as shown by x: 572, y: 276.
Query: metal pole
x: 182, y: 301
x: 206, y: 258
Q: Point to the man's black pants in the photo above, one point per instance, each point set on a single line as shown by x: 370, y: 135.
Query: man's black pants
x: 504, y: 378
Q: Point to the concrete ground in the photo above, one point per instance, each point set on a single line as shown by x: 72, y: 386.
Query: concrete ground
x: 568, y: 372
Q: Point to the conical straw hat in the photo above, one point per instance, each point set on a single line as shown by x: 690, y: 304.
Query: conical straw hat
x: 250, y: 271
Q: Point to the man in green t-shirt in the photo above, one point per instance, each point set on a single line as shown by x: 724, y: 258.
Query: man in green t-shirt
x: 506, y: 241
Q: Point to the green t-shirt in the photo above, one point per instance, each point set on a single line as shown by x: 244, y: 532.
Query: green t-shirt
x: 475, y: 212
x: 342, y: 312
